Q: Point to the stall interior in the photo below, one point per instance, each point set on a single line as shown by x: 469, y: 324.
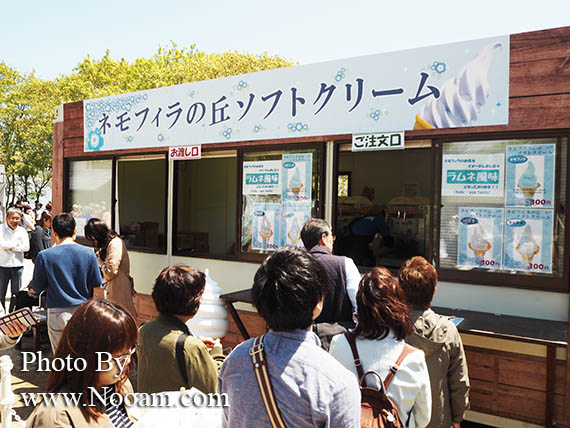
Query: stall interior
x: 141, y: 182
x: 206, y: 205
x: 385, y: 220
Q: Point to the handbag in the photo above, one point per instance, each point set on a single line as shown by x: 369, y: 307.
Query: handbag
x: 260, y: 368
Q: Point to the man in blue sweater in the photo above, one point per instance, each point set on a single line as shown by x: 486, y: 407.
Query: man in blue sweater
x: 68, y: 271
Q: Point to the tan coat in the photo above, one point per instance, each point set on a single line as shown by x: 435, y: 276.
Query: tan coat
x: 115, y: 269
x: 63, y: 416
x: 438, y: 337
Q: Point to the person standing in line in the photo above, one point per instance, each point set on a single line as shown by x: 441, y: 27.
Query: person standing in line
x: 311, y: 388
x: 113, y: 259
x: 438, y: 337
x: 37, y: 211
x: 27, y: 222
x: 41, y: 236
x: 13, y: 243
x: 383, y: 323
x: 68, y: 271
x: 102, y: 387
x: 343, y: 275
x: 169, y: 355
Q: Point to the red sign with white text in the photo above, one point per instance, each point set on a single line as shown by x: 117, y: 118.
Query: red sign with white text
x: 185, y: 152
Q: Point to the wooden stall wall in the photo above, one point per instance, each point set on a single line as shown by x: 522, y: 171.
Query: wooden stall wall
x: 514, y: 386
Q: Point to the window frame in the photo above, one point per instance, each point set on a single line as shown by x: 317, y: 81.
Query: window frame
x: 67, y: 191
x: 432, y: 189
x: 504, y: 279
x: 228, y: 257
x: 166, y: 199
x: 114, y: 201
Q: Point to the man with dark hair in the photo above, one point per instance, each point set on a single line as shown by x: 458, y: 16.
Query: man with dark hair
x: 438, y: 337
x: 13, y: 243
x: 68, y: 272
x: 169, y: 356
x: 310, y: 387
x: 340, y: 299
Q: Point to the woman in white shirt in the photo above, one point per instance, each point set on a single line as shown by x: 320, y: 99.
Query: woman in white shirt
x: 383, y: 323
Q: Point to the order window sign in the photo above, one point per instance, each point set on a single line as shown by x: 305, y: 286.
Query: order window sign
x: 384, y: 141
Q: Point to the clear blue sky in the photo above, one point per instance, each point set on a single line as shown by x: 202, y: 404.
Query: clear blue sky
x: 51, y: 37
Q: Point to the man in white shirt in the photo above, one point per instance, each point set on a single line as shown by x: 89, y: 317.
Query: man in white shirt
x: 13, y: 243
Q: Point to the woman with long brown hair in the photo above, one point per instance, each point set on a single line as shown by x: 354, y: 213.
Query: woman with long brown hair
x: 114, y: 262
x: 97, y: 330
x: 41, y: 236
x: 383, y: 323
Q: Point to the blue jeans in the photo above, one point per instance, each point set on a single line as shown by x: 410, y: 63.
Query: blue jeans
x: 12, y: 275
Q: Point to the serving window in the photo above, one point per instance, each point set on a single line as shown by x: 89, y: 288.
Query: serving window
x: 205, y: 205
x: 383, y: 217
x: 90, y: 192
x: 141, y: 210
x: 280, y: 190
x: 503, y: 211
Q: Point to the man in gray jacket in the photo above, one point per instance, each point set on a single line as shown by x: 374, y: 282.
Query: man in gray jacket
x: 438, y: 337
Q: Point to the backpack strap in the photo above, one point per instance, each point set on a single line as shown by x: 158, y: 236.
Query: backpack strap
x: 408, y: 349
x: 262, y: 375
x: 180, y: 356
x: 351, y: 339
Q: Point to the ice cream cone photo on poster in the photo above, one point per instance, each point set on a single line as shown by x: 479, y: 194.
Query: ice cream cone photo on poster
x: 527, y: 247
x: 479, y: 241
x: 265, y: 231
x: 528, y: 181
x: 295, y: 183
x: 294, y: 231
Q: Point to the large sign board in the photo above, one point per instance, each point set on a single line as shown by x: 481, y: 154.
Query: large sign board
x: 448, y: 86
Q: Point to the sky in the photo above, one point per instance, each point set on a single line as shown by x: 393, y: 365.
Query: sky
x: 51, y: 37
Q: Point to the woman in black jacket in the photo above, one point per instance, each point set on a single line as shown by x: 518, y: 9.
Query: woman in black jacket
x: 41, y: 236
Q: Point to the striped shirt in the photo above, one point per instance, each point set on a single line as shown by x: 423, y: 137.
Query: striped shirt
x: 116, y: 411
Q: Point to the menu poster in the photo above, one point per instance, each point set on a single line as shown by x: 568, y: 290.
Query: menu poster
x: 262, y: 178
x: 473, y: 175
x: 528, y: 240
x: 293, y: 217
x: 266, y: 226
x: 480, y: 238
x: 296, y: 174
x: 530, y: 176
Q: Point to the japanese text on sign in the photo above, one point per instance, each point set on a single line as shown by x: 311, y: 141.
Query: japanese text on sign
x: 473, y: 175
x: 356, y: 95
x: 185, y: 152
x: 386, y: 141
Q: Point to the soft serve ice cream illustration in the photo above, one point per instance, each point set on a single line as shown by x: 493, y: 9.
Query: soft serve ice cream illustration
x: 295, y: 182
x: 265, y: 230
x: 294, y: 232
x: 479, y: 243
x: 462, y: 97
x: 528, y: 182
x: 527, y: 246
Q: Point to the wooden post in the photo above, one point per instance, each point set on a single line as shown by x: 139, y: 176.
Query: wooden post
x: 57, y: 167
